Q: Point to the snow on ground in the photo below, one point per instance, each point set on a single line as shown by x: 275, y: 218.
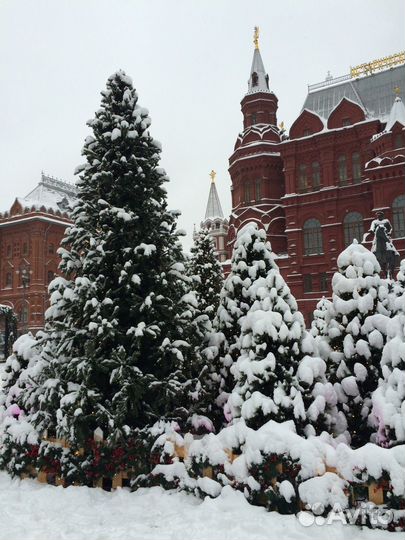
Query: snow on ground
x: 33, y: 511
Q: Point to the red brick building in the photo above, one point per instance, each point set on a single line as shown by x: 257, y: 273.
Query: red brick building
x: 318, y: 188
x: 30, y: 234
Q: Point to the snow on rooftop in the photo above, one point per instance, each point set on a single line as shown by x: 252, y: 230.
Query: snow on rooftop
x: 258, y: 80
x: 51, y: 193
x: 373, y: 92
x: 397, y: 114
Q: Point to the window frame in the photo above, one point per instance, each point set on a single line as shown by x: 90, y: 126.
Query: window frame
x: 258, y: 189
x: 398, y: 217
x: 313, y: 237
x: 302, y: 178
x: 353, y: 229
x: 356, y: 167
x: 307, y: 283
x: 316, y: 175
x: 342, y: 169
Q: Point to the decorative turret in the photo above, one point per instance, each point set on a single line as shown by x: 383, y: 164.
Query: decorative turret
x: 258, y: 80
x: 255, y: 166
x: 397, y: 113
x: 214, y: 220
x: 259, y: 106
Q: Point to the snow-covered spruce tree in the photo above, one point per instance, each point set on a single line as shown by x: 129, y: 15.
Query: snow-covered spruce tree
x: 206, y: 273
x: 207, y: 279
x: 23, y: 350
x: 397, y: 289
x: 389, y: 398
x: 265, y: 372
x: 356, y: 330
x: 120, y: 353
x: 318, y: 324
x: 224, y: 342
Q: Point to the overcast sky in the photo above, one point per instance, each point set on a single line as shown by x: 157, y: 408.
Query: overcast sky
x: 189, y: 60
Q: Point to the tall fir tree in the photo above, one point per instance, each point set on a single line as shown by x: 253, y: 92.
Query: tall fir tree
x: 389, y: 398
x: 271, y: 331
x: 206, y: 273
x: 122, y: 329
x: 397, y: 289
x: 223, y: 345
x: 356, y: 329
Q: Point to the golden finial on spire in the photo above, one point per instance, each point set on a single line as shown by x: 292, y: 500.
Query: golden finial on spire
x: 213, y: 175
x: 397, y: 90
x: 282, y: 126
x: 256, y: 37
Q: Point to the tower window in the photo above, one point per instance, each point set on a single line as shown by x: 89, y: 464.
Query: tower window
x: 247, y: 192
x: 9, y: 250
x: 302, y: 179
x: 51, y: 249
x: 51, y: 275
x: 398, y: 216
x: 356, y: 167
x: 254, y: 119
x: 255, y: 79
x: 346, y: 122
x: 316, y: 175
x: 258, y: 190
x: 342, y: 169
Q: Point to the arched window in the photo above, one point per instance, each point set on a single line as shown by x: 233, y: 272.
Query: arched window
x: 51, y: 249
x: 9, y: 250
x: 398, y: 216
x: 23, y: 314
x: 258, y: 190
x: 25, y: 248
x: 353, y: 227
x: 316, y: 175
x: 302, y: 179
x: 356, y: 167
x: 51, y: 275
x: 313, y: 244
x: 342, y: 169
x: 254, y: 119
x: 255, y: 79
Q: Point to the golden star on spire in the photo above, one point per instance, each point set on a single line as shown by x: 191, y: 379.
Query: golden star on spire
x: 256, y: 37
x: 213, y: 175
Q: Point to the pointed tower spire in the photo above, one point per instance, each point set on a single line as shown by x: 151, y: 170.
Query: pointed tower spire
x: 214, y: 208
x: 215, y: 222
x: 258, y: 80
x: 397, y: 113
